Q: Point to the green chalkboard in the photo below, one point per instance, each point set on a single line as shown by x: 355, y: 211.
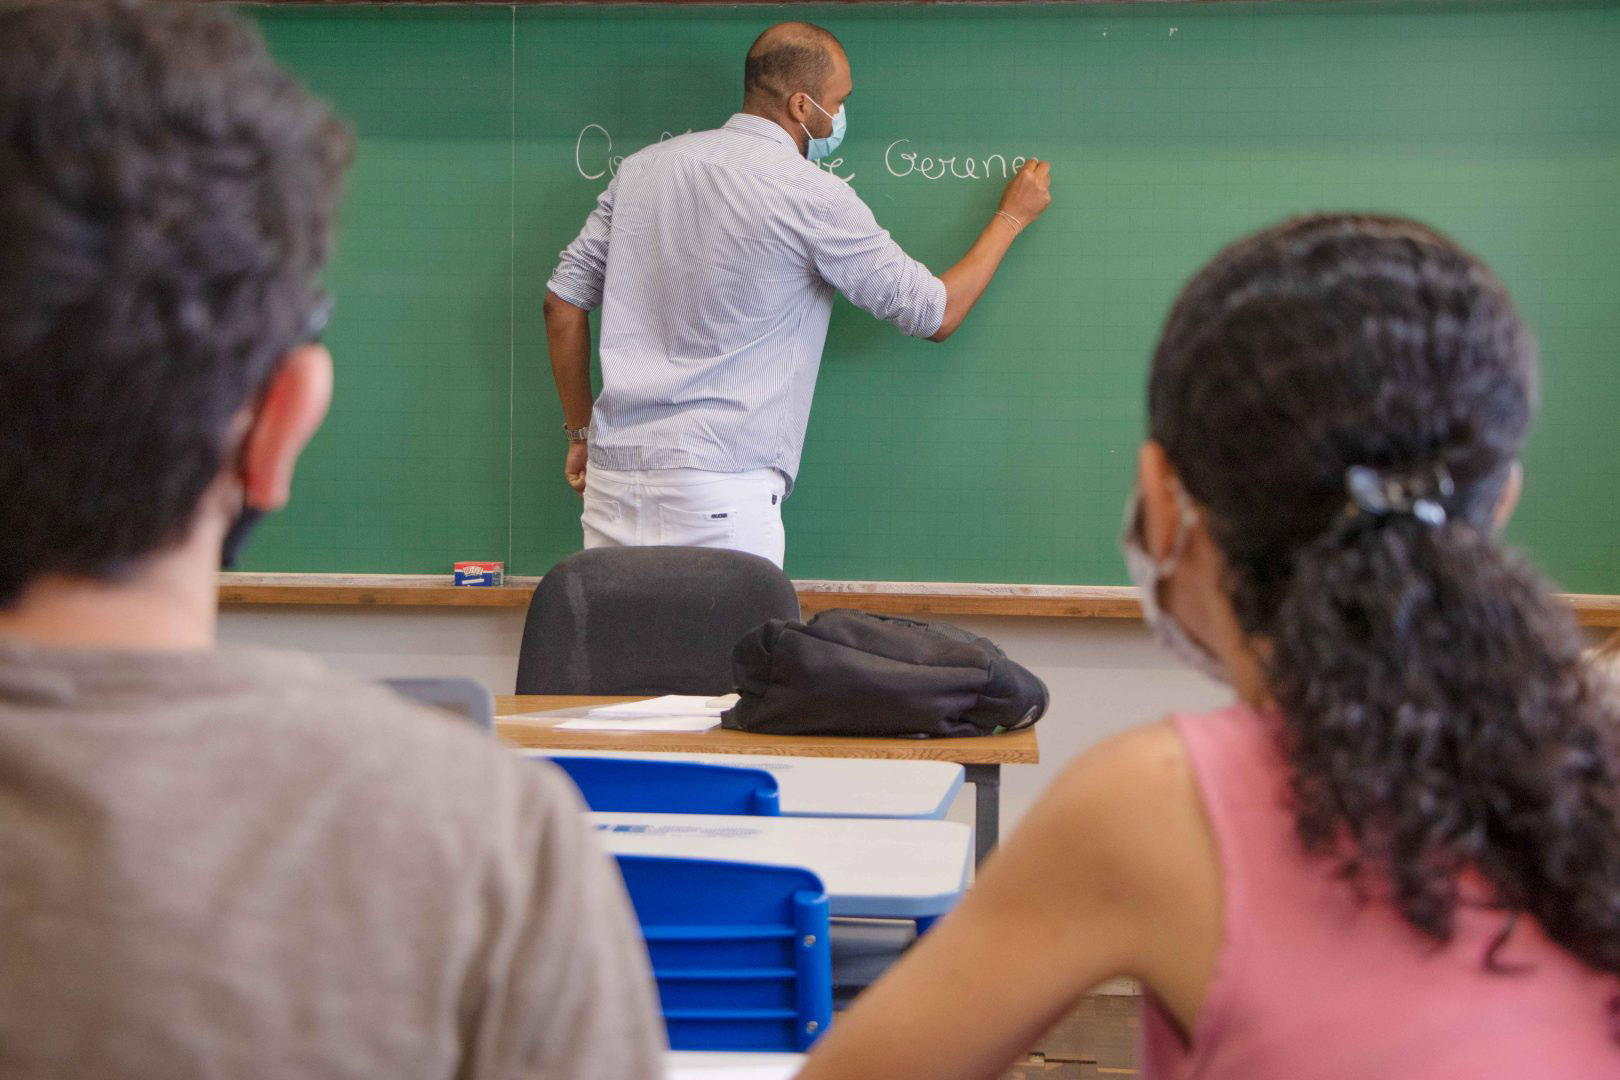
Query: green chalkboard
x: 1004, y: 455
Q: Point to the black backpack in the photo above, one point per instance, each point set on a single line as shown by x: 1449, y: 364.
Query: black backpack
x: 852, y: 673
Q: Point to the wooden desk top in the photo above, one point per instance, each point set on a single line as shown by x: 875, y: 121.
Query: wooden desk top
x: 1013, y: 748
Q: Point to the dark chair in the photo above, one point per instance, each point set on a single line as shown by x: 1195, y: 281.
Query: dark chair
x: 647, y: 620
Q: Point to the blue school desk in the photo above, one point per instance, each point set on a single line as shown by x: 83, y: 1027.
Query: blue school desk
x: 872, y: 867
x: 831, y: 787
x: 716, y: 1065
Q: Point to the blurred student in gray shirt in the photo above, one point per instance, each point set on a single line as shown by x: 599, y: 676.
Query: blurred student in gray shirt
x: 223, y: 862
x: 715, y: 258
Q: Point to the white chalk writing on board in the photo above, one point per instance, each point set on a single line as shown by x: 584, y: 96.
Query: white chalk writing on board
x: 594, y: 157
x: 601, y: 143
x: 903, y: 162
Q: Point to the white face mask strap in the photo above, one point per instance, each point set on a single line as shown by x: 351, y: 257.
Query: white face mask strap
x: 1148, y: 574
x: 819, y: 109
x: 1186, y: 521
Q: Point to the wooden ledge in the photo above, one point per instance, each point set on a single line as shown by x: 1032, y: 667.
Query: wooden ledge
x: 889, y: 598
x: 959, y: 598
x: 368, y: 590
x: 677, y: 3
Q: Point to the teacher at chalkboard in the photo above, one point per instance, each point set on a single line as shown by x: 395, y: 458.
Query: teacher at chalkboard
x: 715, y: 257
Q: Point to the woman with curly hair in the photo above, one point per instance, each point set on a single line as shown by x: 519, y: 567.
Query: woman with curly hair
x: 1398, y: 851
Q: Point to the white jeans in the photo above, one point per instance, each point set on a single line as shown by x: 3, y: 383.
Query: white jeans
x: 685, y: 507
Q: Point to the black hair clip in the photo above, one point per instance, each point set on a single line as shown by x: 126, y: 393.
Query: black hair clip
x: 1418, y: 494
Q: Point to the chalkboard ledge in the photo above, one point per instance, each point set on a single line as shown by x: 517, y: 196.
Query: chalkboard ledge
x: 887, y: 597
x: 898, y: 598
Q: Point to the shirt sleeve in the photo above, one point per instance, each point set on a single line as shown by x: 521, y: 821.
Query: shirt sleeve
x: 861, y: 260
x: 583, y: 266
x: 568, y: 990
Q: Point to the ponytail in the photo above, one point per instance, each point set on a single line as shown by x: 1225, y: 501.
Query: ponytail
x: 1439, y: 716
x: 1345, y: 396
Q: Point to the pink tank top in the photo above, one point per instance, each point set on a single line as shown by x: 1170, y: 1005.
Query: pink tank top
x: 1311, y: 985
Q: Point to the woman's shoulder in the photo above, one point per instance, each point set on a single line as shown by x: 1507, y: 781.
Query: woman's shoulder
x: 1130, y: 817
x: 1161, y: 761
x: 1128, y: 812
x: 1144, y: 765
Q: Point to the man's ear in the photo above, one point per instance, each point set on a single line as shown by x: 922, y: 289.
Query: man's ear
x: 1161, y: 513
x: 293, y: 406
x: 799, y: 108
x: 1508, y: 501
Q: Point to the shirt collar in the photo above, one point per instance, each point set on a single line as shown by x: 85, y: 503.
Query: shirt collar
x: 758, y: 126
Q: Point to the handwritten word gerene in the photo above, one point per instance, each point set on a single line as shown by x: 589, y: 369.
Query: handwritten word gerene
x: 958, y: 167
x: 594, y: 157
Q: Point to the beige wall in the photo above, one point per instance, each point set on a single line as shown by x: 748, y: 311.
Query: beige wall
x: 1105, y: 674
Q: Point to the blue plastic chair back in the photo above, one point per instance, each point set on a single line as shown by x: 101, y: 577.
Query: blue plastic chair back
x: 740, y: 951
x: 644, y: 786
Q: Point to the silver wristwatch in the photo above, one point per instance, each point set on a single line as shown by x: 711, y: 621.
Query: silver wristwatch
x: 577, y: 434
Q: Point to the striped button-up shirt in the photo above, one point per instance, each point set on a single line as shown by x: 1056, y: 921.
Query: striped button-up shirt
x: 715, y: 257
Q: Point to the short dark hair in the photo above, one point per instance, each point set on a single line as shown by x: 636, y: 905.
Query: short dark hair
x: 166, y: 199
x: 788, y: 58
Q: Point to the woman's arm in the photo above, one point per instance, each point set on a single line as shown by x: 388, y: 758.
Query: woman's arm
x: 1112, y: 873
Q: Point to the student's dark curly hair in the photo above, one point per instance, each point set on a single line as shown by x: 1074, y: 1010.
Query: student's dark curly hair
x: 1438, y: 715
x: 166, y: 198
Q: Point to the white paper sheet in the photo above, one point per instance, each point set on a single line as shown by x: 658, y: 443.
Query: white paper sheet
x: 640, y: 723
x: 668, y: 705
x: 733, y: 1072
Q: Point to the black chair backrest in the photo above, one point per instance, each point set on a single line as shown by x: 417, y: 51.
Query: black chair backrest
x: 647, y: 620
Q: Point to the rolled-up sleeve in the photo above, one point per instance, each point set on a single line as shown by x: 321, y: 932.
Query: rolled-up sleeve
x: 583, y: 265
x: 861, y: 260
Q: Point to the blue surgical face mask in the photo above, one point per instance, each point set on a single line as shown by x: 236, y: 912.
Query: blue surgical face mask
x: 820, y: 148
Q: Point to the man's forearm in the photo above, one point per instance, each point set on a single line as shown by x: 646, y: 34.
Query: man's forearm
x: 568, y: 339
x: 966, y: 281
x: 1025, y: 199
